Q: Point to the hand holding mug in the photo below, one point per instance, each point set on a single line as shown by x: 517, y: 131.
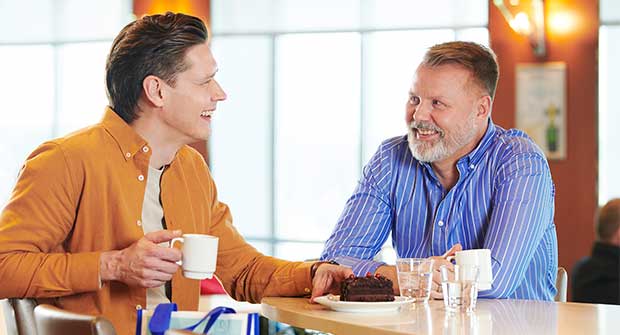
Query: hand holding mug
x: 144, y: 263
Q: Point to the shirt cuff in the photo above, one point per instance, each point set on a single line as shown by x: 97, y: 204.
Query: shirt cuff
x: 360, y: 267
x: 84, y: 273
x: 302, y: 280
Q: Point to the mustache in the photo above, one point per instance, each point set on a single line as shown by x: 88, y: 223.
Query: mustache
x: 425, y: 125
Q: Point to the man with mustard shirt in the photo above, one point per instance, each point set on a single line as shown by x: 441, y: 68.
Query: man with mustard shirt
x: 88, y: 211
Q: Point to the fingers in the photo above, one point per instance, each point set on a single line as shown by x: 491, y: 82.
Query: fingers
x: 436, y: 295
x: 436, y: 292
x: 165, y: 253
x: 152, y: 283
x: 327, y: 279
x: 150, y: 272
x: 147, y: 264
x: 155, y: 275
x: 453, y: 250
x: 346, y: 272
x: 161, y: 266
x: 439, y: 261
x: 436, y: 285
x: 319, y: 287
x: 162, y: 235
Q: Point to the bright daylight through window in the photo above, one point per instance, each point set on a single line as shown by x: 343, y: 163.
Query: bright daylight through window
x: 313, y: 88
x: 53, y: 72
x: 609, y: 106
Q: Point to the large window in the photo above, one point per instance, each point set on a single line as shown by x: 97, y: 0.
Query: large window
x: 314, y: 86
x: 609, y: 107
x: 52, y: 59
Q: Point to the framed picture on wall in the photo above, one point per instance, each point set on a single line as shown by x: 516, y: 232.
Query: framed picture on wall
x: 541, y: 105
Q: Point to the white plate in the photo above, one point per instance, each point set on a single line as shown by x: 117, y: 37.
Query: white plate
x: 333, y: 302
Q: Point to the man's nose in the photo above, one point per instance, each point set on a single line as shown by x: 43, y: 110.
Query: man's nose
x: 422, y: 112
x: 218, y: 93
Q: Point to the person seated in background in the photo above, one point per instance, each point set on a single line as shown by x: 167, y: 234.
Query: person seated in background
x: 84, y: 221
x: 596, y: 279
x: 456, y: 180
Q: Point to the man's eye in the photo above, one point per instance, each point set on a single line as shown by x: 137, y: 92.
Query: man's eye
x: 437, y: 103
x: 414, y: 100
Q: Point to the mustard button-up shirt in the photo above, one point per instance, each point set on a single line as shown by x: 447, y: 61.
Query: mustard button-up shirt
x: 82, y: 194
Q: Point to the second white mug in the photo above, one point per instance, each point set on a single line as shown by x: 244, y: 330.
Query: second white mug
x: 482, y: 258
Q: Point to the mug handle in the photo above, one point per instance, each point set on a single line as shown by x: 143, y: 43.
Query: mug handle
x: 177, y: 239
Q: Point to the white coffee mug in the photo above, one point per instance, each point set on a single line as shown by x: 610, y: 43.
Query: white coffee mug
x: 482, y: 258
x: 199, y: 255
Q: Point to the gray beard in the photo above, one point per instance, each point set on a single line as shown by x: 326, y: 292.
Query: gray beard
x: 427, y: 152
x: 445, y: 146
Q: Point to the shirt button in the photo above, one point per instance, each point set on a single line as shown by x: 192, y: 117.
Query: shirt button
x: 140, y: 177
x: 440, y: 223
x: 307, y: 290
x: 138, y: 307
x: 472, y: 166
x: 128, y: 154
x: 139, y: 223
x: 145, y: 148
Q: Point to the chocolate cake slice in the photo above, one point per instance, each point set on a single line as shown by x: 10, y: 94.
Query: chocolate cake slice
x: 368, y: 289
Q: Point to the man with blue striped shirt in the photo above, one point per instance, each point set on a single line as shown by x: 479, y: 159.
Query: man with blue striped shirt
x: 456, y: 180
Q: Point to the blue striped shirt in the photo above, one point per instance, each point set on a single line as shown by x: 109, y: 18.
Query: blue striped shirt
x: 503, y: 201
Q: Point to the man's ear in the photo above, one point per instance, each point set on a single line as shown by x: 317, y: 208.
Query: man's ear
x: 153, y: 87
x: 483, y: 106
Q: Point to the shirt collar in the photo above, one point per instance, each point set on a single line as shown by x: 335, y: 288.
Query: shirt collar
x: 129, y: 142
x: 475, y: 155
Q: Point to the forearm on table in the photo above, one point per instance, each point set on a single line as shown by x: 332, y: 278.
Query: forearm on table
x: 510, y: 260
x: 266, y: 276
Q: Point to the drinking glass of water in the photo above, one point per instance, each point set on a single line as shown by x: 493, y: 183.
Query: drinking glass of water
x: 415, y: 276
x: 460, y: 287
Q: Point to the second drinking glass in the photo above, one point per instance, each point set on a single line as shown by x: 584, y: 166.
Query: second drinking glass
x: 415, y: 276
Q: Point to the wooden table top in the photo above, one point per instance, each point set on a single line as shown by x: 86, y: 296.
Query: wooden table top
x: 492, y: 316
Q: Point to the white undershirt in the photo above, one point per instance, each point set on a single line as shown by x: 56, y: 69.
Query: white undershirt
x: 152, y: 220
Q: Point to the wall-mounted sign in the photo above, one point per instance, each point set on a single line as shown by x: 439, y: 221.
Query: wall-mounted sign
x: 541, y: 105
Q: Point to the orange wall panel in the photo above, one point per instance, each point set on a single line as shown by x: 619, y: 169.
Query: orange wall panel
x: 192, y: 7
x: 575, y: 177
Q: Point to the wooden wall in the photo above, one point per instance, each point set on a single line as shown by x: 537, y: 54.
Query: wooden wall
x: 575, y: 177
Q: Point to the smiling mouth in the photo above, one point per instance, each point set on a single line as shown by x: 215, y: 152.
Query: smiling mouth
x: 426, y: 132
x: 206, y: 114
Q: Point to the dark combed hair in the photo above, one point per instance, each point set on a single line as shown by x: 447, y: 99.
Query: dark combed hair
x: 480, y: 60
x: 608, y: 221
x: 153, y: 45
